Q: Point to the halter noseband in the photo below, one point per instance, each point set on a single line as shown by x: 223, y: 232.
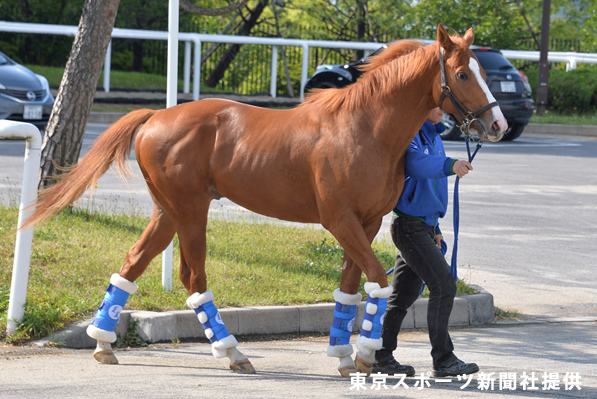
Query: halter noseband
x: 466, y: 116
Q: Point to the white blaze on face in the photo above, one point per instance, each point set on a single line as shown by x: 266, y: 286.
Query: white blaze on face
x: 497, y: 112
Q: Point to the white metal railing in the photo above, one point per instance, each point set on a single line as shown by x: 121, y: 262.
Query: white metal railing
x: 24, y: 239
x: 197, y: 39
x: 572, y: 59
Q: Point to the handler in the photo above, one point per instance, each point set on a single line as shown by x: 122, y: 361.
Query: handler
x: 415, y: 232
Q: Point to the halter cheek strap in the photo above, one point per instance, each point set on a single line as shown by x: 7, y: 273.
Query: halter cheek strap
x: 467, y: 117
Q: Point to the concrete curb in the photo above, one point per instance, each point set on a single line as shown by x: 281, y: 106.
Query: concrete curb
x: 156, y: 327
x: 560, y: 129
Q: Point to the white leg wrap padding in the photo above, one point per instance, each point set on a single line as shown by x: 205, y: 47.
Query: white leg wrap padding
x: 101, y: 335
x: 375, y: 291
x: 197, y: 299
x: 219, y: 348
x: 366, y: 348
x: 347, y: 299
x: 339, y: 350
x: 122, y: 283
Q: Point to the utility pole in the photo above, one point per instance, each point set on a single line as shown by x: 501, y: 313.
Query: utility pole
x: 542, y: 87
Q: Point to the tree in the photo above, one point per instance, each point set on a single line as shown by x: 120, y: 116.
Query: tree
x: 64, y: 134
x: 245, y: 29
x: 63, y: 138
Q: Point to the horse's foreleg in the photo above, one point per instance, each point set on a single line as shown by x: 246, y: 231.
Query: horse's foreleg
x: 154, y: 239
x: 347, y: 298
x: 193, y: 277
x: 351, y: 238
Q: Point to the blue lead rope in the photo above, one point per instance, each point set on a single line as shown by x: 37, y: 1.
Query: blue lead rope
x: 456, y: 218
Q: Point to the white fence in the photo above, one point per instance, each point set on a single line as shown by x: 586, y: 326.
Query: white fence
x: 197, y: 39
x: 571, y: 59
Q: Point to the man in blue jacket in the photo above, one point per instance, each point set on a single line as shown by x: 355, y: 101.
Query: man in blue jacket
x: 415, y: 232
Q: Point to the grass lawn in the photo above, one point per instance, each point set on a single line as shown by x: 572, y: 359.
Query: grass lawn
x: 75, y: 253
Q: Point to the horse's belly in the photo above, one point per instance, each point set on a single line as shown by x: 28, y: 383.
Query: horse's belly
x: 282, y: 204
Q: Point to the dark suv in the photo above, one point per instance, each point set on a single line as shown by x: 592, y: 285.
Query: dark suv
x: 509, y: 86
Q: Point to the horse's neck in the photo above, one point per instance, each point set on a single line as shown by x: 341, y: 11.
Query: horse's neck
x: 404, y: 110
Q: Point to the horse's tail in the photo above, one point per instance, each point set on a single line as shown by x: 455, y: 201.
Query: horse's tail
x: 114, y: 145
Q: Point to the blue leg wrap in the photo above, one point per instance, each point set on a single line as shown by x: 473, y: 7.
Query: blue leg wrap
x: 106, y: 318
x: 341, y: 329
x: 375, y: 308
x: 108, y: 314
x: 210, y: 318
x: 215, y: 330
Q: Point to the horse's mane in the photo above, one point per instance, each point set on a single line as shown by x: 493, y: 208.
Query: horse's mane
x: 397, y: 63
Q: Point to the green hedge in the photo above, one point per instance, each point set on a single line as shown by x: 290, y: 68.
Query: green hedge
x: 573, y: 92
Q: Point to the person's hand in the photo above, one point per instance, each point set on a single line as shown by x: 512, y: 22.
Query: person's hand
x: 438, y: 240
x: 461, y: 168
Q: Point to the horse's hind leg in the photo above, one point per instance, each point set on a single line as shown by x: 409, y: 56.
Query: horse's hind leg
x: 192, y: 274
x: 155, y: 239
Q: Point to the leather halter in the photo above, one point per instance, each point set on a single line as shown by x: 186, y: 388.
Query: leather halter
x: 467, y: 117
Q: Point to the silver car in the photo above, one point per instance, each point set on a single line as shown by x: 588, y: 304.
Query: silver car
x: 24, y: 95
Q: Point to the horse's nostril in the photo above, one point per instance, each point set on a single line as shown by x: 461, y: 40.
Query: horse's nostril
x: 495, y: 126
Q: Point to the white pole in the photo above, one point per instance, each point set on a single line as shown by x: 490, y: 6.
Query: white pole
x: 274, y: 74
x: 305, y: 70
x: 107, y: 67
x: 171, y: 98
x: 197, y: 71
x: 24, y: 239
x: 187, y: 67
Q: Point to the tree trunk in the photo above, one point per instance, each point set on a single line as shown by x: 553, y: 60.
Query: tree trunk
x: 218, y: 72
x: 361, y: 26
x: 64, y: 134
x: 138, y: 47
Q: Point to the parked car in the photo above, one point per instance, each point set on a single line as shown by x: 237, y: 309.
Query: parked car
x: 24, y: 95
x: 509, y: 86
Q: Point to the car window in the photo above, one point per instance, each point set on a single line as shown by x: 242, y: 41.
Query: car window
x: 492, y: 60
x: 3, y: 60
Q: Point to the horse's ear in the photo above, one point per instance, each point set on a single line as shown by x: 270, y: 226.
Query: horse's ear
x: 469, y: 38
x: 443, y: 38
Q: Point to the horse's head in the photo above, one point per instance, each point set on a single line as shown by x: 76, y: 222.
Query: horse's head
x: 463, y: 92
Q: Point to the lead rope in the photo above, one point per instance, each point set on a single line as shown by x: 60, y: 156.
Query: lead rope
x: 456, y: 214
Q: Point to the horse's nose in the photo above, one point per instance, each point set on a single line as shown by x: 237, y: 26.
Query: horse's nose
x: 497, y: 130
x: 500, y: 125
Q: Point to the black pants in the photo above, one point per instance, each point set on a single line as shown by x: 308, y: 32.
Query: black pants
x: 419, y: 260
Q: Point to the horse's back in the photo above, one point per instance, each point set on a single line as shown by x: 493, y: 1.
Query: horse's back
x: 257, y: 157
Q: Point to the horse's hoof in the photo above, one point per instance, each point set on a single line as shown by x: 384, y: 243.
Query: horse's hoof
x: 363, y: 366
x: 347, y: 371
x: 105, y: 356
x: 242, y: 366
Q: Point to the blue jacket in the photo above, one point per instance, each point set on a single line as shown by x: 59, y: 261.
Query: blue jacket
x: 425, y: 194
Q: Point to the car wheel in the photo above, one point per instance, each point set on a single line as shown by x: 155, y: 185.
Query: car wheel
x: 452, y: 131
x: 513, y: 132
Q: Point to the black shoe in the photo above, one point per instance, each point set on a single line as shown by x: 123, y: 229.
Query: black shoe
x: 391, y: 367
x: 455, y: 367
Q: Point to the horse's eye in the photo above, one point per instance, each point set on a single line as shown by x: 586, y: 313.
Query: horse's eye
x: 462, y: 75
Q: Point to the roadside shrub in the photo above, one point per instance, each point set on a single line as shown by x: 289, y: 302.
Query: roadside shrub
x: 573, y: 92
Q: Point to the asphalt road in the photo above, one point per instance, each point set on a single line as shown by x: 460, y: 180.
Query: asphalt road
x: 537, y: 361
x: 527, y: 225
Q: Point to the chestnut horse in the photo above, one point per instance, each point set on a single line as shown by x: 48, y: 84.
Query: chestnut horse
x: 337, y: 159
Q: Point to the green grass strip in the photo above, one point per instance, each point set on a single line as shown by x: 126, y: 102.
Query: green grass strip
x: 248, y: 264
